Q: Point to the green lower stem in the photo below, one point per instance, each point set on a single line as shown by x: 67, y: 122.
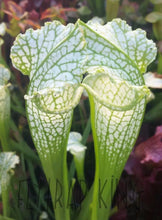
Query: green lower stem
x: 89, y: 206
x: 102, y: 193
x: 5, y: 202
x: 56, y: 174
x: 94, y: 215
x: 107, y: 189
x: 4, y: 139
x: 4, y: 136
x: 93, y: 206
x: 85, y: 211
x: 5, y: 119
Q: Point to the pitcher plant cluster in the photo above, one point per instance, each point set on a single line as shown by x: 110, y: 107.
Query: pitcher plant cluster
x: 108, y: 61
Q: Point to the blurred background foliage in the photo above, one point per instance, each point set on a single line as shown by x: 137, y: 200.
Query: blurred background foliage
x: 139, y: 193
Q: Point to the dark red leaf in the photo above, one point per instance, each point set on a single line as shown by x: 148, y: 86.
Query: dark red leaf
x: 150, y: 151
x: 33, y: 15
x: 145, y: 166
x: 121, y: 215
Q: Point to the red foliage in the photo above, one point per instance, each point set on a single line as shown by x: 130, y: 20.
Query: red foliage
x: 146, y: 154
x: 32, y: 13
x: 24, y: 19
x: 121, y: 215
x: 145, y: 165
x: 56, y: 11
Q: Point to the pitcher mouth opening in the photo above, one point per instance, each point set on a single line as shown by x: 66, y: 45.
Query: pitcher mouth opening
x: 56, y: 100
x: 113, y: 92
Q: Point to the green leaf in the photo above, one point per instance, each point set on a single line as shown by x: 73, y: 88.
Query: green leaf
x: 5, y: 218
x: 112, y: 8
x: 153, y: 17
x: 84, y: 11
x: 8, y: 161
x: 156, y: 1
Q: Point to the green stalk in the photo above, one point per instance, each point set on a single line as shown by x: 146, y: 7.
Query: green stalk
x: 58, y: 184
x: 98, y: 210
x: 112, y: 8
x: 86, y: 132
x: 159, y: 70
x: 157, y: 29
x: 55, y: 168
x: 15, y: 209
x: 158, y: 24
x: 5, y: 202
x: 96, y: 183
x: 4, y: 138
x: 100, y: 7
x: 92, y: 5
x: 5, y: 118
